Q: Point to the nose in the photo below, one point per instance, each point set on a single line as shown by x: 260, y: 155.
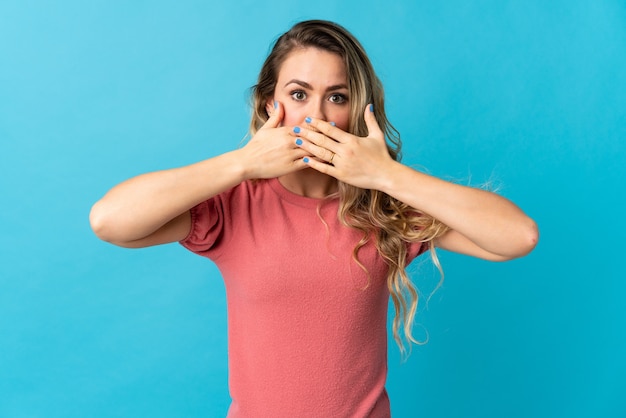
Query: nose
x: 317, y: 108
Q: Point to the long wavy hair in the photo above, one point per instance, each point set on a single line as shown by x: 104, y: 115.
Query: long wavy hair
x: 391, y: 224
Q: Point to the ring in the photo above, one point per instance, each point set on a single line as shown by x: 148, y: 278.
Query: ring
x: 331, y: 158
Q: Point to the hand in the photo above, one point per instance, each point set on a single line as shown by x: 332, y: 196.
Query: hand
x: 272, y: 152
x: 359, y: 161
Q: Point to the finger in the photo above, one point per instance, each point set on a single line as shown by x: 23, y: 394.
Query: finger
x: 322, y: 153
x: 317, y: 141
x: 327, y: 128
x: 276, y: 115
x: 299, y: 154
x: 372, y: 124
x: 322, y: 167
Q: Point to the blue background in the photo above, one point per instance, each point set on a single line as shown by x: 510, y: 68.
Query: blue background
x: 527, y: 94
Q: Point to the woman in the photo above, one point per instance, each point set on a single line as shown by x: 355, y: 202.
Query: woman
x: 312, y: 224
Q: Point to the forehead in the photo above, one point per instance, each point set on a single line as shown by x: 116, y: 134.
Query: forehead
x: 314, y: 66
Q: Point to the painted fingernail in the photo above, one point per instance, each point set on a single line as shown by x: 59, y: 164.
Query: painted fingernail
x: 307, y: 120
x: 298, y: 141
x: 332, y: 123
x: 296, y: 129
x: 372, y: 108
x: 306, y: 159
x: 275, y: 104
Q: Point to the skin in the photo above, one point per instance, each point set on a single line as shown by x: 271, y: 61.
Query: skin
x: 305, y: 91
x: 310, y: 93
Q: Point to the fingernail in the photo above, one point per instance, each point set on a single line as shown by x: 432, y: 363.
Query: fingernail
x: 332, y: 123
x: 372, y: 108
x: 275, y: 104
x: 307, y: 120
x: 298, y: 141
x: 296, y: 129
x: 306, y: 159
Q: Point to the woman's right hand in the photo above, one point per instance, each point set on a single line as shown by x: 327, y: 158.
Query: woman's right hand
x: 153, y: 208
x: 272, y: 151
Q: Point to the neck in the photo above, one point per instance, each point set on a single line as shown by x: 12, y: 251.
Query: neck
x: 309, y: 183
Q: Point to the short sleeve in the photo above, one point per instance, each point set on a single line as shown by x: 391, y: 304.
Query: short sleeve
x: 207, y: 225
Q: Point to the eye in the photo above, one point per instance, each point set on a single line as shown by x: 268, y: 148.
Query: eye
x: 298, y: 95
x: 338, y: 98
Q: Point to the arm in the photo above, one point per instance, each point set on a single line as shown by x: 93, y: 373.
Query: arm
x: 482, y: 223
x: 154, y: 208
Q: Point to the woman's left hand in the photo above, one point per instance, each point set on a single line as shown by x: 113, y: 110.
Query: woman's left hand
x: 358, y: 161
x: 482, y: 224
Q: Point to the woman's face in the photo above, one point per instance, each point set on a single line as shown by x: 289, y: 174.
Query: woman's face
x: 312, y: 82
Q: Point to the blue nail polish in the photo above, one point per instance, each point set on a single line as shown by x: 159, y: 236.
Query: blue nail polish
x: 372, y: 108
x: 308, y: 120
x: 306, y: 159
x: 298, y: 141
x: 332, y: 123
x: 296, y: 129
x: 275, y: 104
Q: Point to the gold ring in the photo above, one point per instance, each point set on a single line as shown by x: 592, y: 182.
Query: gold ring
x: 331, y: 158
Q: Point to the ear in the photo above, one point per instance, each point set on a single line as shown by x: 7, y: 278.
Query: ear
x: 269, y: 106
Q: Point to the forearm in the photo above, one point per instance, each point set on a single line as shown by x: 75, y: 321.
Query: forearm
x: 490, y: 221
x: 482, y: 224
x: 138, y: 207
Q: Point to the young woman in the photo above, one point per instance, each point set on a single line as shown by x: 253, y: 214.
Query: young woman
x: 312, y: 224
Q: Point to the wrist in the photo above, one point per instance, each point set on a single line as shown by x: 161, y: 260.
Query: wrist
x: 386, y: 182
x: 240, y: 169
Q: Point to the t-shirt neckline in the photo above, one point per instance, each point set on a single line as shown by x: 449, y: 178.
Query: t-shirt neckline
x: 289, y: 196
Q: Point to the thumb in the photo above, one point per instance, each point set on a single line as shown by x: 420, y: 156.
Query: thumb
x: 373, y: 130
x: 276, y: 115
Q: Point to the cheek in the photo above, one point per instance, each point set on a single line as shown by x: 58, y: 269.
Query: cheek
x: 342, y: 119
x: 292, y: 116
x: 291, y: 120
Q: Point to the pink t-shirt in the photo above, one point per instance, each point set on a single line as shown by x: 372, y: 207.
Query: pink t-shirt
x: 306, y: 326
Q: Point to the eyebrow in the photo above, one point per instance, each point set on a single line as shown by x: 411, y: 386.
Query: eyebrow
x: 308, y: 86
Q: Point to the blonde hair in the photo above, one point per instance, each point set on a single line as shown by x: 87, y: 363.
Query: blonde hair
x: 392, y: 223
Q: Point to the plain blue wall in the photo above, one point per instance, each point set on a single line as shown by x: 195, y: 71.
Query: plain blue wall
x: 529, y: 94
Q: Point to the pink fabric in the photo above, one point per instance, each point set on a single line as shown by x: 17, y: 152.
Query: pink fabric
x: 307, y: 328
